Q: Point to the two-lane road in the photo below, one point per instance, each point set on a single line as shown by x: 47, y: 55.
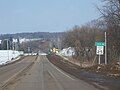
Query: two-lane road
x: 45, y: 76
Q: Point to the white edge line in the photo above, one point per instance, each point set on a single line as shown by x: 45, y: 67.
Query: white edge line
x: 60, y: 70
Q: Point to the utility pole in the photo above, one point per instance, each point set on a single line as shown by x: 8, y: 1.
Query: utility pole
x: 105, y: 48
x: 7, y: 44
x: 8, y: 48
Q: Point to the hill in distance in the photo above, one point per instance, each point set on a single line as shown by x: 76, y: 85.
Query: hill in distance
x: 44, y: 35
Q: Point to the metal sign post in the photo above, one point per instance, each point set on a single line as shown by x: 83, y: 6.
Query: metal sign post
x: 8, y: 48
x: 99, y: 59
x: 105, y: 48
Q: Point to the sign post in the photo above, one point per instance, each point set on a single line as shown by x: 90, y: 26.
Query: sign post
x: 100, y: 49
x: 105, y: 48
x: 99, y: 59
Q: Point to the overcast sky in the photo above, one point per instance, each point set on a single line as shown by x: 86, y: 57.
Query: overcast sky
x: 45, y: 15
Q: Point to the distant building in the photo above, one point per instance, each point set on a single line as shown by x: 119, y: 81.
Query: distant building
x: 16, y: 44
x: 21, y: 40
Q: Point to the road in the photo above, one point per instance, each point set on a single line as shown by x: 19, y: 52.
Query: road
x: 38, y: 74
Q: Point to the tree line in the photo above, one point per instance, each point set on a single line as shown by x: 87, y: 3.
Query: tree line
x: 83, y: 38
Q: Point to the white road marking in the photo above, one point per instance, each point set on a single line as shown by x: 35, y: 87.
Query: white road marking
x: 60, y: 71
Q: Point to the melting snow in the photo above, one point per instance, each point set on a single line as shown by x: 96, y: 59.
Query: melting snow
x: 8, y: 55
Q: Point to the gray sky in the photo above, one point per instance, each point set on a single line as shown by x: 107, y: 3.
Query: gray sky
x: 45, y: 15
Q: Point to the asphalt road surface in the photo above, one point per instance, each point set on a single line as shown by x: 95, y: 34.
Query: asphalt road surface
x: 38, y: 74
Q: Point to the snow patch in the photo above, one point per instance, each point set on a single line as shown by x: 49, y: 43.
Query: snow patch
x: 67, y: 52
x: 8, y: 55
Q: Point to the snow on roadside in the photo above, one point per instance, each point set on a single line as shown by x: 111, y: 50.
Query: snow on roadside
x: 8, y: 55
x: 42, y: 54
x: 67, y: 52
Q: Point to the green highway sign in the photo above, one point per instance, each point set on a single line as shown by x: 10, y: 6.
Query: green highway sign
x: 99, y: 43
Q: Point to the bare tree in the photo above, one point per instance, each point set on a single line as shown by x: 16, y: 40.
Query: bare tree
x: 111, y: 15
x: 83, y: 40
